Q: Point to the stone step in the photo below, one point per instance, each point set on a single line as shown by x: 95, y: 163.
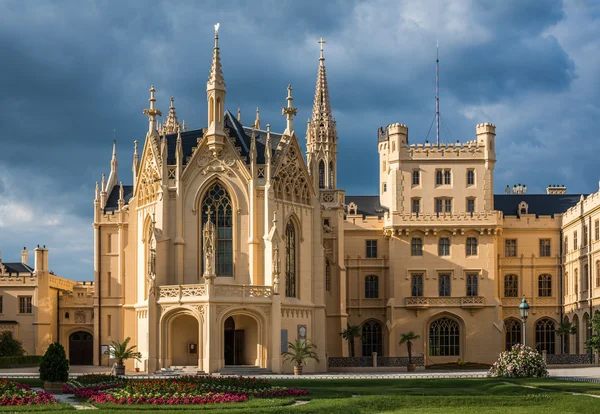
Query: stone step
x: 247, y: 370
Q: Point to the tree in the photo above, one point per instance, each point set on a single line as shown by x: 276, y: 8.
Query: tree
x: 301, y: 351
x: 9, y: 346
x: 563, y: 330
x: 351, y: 332
x: 407, y: 338
x: 55, y: 365
x: 120, y: 352
x: 593, y: 343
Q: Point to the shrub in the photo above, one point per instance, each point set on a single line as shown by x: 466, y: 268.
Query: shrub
x: 520, y: 362
x: 9, y: 346
x: 55, y: 365
x: 20, y: 361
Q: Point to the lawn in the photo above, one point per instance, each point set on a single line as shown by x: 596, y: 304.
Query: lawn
x: 403, y: 396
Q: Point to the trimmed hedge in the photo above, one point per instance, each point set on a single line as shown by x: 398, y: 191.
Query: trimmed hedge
x: 20, y: 361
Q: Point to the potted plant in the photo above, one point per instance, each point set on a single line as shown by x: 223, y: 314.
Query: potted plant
x: 300, y: 352
x: 407, y: 338
x: 351, y: 332
x: 54, y: 368
x: 120, y: 352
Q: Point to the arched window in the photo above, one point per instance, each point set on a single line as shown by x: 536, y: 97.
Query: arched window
x: 511, y: 286
x: 584, y: 282
x: 444, y: 338
x: 327, y: 275
x: 576, y: 335
x: 290, y: 260
x: 545, y: 286
x: 330, y: 174
x: 372, y: 338
x: 545, y: 336
x: 598, y: 273
x: 576, y: 284
x: 371, y: 287
x: 513, y: 333
x: 217, y: 201
x: 321, y: 174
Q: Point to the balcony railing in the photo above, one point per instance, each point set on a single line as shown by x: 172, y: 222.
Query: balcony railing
x: 182, y: 293
x: 422, y: 302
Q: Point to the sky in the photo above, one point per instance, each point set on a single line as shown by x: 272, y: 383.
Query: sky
x: 75, y: 75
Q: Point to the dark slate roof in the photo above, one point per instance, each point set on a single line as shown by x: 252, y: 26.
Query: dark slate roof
x: 17, y: 268
x: 112, y: 203
x: 367, y: 205
x: 539, y: 204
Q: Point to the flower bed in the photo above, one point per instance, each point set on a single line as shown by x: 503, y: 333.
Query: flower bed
x: 184, y: 390
x: 12, y: 393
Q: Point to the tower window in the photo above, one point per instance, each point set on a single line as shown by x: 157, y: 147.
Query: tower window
x: 217, y: 201
x: 416, y: 177
x: 470, y: 177
x: 321, y: 174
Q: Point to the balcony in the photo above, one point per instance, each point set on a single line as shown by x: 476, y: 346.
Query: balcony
x: 195, y: 293
x: 466, y: 302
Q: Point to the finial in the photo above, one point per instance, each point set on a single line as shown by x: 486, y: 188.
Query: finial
x: 121, y: 191
x: 97, y: 191
x: 257, y: 120
x: 269, y: 128
x: 152, y: 111
x: 321, y: 42
x: 172, y: 102
x: 217, y: 35
x: 274, y: 221
x: 103, y: 182
x: 239, y: 117
x: 290, y: 112
x: 183, y: 127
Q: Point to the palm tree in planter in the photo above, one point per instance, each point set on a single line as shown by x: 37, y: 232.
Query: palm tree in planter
x: 54, y: 368
x: 563, y: 330
x: 408, y: 338
x: 120, y: 352
x: 300, y: 351
x: 351, y: 332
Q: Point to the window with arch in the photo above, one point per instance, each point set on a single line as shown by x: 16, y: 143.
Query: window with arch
x: 290, y: 260
x: 511, y: 286
x: 217, y: 201
x: 545, y: 285
x: 576, y: 284
x: 472, y: 284
x: 327, y: 275
x: 598, y: 273
x: 372, y: 338
x: 576, y: 336
x: 584, y: 282
x: 512, y: 328
x: 444, y: 337
x: 321, y: 174
x: 330, y: 174
x: 545, y: 336
x: 371, y: 287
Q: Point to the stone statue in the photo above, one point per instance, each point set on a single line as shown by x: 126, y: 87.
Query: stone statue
x: 152, y: 268
x: 276, y: 270
x: 209, y: 248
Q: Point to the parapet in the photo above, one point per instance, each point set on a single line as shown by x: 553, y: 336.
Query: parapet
x: 397, y: 129
x: 486, y: 128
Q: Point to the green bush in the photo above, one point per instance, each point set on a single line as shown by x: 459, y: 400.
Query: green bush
x: 55, y: 365
x: 519, y: 362
x: 9, y: 346
x: 20, y: 361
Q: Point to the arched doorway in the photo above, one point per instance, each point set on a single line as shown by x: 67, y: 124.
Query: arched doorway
x: 183, y: 340
x: 81, y: 348
x: 242, y: 344
x: 372, y: 338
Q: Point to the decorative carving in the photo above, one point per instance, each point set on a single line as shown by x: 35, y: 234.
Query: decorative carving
x: 209, y: 247
x: 276, y: 269
x: 79, y: 316
x: 291, y: 181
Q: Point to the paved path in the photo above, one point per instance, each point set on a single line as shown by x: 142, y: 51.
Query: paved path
x: 69, y: 399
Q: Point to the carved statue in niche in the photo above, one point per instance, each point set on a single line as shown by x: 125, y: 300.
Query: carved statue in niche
x: 152, y: 266
x: 276, y: 270
x: 79, y: 316
x: 209, y: 247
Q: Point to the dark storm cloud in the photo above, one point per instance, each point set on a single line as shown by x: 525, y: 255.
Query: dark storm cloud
x: 75, y: 71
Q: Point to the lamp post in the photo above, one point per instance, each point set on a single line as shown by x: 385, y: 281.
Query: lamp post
x: 524, y: 311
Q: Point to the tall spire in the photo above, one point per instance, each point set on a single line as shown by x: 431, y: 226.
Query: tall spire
x: 171, y: 124
x: 215, y: 95
x: 321, y: 106
x: 216, y: 71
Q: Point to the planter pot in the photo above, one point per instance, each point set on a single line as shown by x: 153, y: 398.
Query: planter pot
x: 411, y: 367
x: 54, y: 387
x: 120, y: 370
x: 297, y: 370
x: 137, y: 370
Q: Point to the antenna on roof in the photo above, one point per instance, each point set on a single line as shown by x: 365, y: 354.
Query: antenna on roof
x: 437, y: 92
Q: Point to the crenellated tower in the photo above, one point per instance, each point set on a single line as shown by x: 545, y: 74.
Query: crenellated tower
x: 215, y: 94
x: 321, y: 134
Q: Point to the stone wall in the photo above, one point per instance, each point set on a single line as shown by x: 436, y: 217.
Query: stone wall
x: 382, y: 361
x: 569, y: 359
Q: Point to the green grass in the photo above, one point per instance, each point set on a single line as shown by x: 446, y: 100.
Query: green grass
x: 474, y: 396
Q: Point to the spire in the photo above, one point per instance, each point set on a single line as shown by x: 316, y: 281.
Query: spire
x: 172, y: 123
x: 152, y: 112
x: 97, y: 192
x: 321, y: 107
x: 121, y: 200
x: 257, y: 120
x: 253, y: 146
x: 113, y: 177
x: 290, y: 112
x: 216, y: 72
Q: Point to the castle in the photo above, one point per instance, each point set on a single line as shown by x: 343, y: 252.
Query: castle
x: 229, y: 244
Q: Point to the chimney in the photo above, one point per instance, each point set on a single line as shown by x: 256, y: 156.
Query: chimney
x: 41, y: 259
x: 556, y: 189
x: 25, y: 256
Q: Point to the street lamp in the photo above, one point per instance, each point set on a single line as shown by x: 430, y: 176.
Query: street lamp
x: 524, y: 311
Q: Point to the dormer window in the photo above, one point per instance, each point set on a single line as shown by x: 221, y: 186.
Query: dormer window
x: 523, y: 208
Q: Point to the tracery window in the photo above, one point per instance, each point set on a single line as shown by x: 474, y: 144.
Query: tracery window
x: 444, y: 338
x: 513, y: 333
x: 290, y: 260
x: 545, y: 286
x: 371, y: 287
x: 217, y: 201
x: 321, y: 174
x: 511, y: 286
x: 545, y: 336
x: 372, y: 338
x: 330, y: 174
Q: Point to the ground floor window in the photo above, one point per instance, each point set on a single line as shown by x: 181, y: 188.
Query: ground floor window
x: 545, y: 336
x: 444, y: 338
x: 372, y: 338
x: 513, y: 333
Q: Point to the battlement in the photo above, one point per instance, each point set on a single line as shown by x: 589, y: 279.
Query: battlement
x: 486, y: 128
x: 397, y: 129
